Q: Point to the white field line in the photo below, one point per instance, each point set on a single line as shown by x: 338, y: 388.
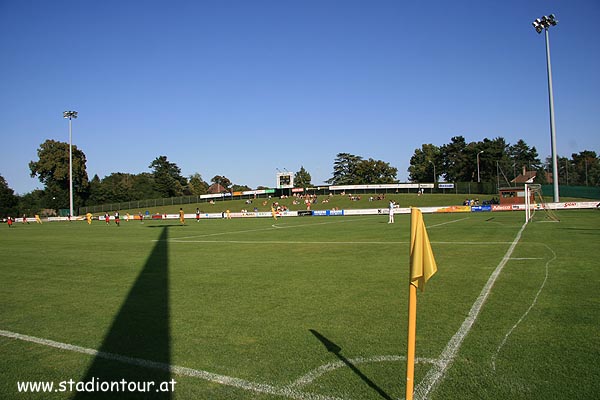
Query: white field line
x: 446, y: 223
x: 277, y: 242
x: 262, y: 229
x: 196, y: 238
x: 182, y: 371
x: 533, y: 303
x: 324, y: 369
x: 325, y: 243
x: 436, y: 374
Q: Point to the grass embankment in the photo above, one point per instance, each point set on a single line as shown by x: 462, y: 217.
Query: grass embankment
x: 324, y: 202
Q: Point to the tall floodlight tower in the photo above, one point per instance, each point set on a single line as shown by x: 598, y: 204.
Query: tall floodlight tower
x: 478, y: 176
x: 542, y: 24
x: 70, y: 115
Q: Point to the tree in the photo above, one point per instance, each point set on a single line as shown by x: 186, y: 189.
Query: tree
x: 302, y: 178
x: 375, y: 172
x: 422, y: 164
x: 587, y: 167
x: 455, y: 164
x: 493, y: 159
x: 344, y: 169
x: 8, y: 200
x: 522, y: 156
x: 98, y: 192
x: 221, y: 180
x: 33, y: 203
x: 196, y: 185
x: 52, y: 169
x: 167, y: 177
x: 240, y: 188
x: 349, y: 169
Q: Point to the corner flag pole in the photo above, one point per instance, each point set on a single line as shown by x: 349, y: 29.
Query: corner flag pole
x: 412, y: 332
x: 422, y: 267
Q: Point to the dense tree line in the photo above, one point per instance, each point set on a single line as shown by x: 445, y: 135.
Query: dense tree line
x: 457, y: 161
x: 350, y: 169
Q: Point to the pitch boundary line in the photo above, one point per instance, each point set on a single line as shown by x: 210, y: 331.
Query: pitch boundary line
x: 324, y: 369
x: 178, y: 370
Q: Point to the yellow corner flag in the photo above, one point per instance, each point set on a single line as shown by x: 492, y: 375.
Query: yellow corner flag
x: 422, y: 267
x: 422, y: 263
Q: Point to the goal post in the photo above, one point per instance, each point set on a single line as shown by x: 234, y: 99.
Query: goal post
x: 533, y: 191
x: 528, y: 211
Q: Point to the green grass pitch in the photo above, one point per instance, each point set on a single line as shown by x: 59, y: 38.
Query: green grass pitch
x: 303, y: 308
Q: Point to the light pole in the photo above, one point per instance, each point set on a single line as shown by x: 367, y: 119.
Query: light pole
x: 70, y: 115
x: 434, y: 174
x: 542, y: 24
x: 478, y: 176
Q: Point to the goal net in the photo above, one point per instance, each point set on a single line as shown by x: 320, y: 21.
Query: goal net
x: 534, y: 202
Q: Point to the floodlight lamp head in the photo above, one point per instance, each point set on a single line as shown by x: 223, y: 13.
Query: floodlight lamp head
x: 70, y: 114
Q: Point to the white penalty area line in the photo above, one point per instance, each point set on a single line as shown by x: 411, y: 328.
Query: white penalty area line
x: 533, y: 303
x: 286, y: 391
x: 436, y: 374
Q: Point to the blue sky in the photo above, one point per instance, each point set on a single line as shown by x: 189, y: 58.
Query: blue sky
x: 243, y: 88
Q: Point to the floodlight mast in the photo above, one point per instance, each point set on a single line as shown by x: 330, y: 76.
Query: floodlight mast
x: 70, y: 115
x: 478, y: 176
x: 542, y: 24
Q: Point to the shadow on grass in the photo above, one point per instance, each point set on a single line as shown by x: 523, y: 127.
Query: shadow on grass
x: 140, y: 330
x: 335, y: 349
